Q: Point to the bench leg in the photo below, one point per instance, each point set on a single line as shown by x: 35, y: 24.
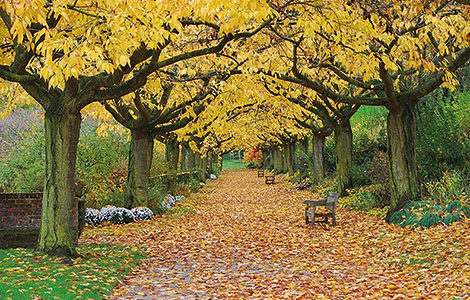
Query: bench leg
x: 313, y: 215
x: 306, y: 217
x: 333, y: 220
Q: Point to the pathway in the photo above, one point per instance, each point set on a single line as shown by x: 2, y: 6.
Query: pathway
x: 249, y: 240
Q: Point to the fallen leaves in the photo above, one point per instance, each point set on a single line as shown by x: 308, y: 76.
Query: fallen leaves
x: 249, y: 240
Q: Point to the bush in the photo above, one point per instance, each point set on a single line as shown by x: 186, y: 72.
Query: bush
x: 453, y: 185
x: 360, y: 175
x: 427, y: 213
x: 253, y: 158
x: 22, y: 169
x: 142, y: 213
x: 92, y: 216
x: 378, y: 168
x: 442, y: 141
x: 117, y: 215
x: 366, y: 199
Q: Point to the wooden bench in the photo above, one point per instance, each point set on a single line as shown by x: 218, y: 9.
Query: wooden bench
x: 330, y: 203
x: 260, y: 173
x: 269, y: 179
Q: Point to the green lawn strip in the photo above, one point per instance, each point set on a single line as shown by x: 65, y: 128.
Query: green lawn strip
x: 25, y: 274
x: 229, y: 164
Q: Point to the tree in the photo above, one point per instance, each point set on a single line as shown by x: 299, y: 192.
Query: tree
x: 67, y: 55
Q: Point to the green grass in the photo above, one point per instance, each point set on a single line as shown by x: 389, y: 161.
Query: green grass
x: 25, y: 274
x: 229, y: 164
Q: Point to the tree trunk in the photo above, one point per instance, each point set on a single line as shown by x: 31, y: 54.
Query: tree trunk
x: 184, y: 167
x: 172, y: 153
x: 343, y: 139
x: 271, y: 158
x: 291, y: 158
x: 318, y: 158
x: 401, y: 131
x: 192, y: 160
x: 138, y: 173
x: 264, y: 159
x: 201, y: 167
x: 59, y: 226
x: 285, y: 159
x: 277, y: 161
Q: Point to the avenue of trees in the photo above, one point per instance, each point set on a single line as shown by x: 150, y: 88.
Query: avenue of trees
x: 204, y: 77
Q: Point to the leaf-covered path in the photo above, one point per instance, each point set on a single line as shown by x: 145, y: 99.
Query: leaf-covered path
x: 249, y: 240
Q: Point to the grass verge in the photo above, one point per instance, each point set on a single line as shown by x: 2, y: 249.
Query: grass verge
x: 229, y: 164
x: 25, y: 274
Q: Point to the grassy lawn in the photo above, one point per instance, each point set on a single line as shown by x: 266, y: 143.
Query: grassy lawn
x: 25, y: 274
x: 229, y: 164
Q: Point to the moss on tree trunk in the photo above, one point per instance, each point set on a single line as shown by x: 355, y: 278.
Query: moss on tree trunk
x: 140, y: 161
x: 58, y: 232
x: 401, y: 129
x: 343, y: 139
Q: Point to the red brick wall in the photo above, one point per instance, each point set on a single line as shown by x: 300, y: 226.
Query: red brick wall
x: 23, y: 211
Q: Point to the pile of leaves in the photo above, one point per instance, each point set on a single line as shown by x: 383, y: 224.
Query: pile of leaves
x: 25, y: 274
x: 427, y: 214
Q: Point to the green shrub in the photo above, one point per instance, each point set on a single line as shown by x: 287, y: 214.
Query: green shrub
x: 366, y: 199
x: 360, y: 175
x: 427, y: 213
x: 442, y: 141
x: 453, y: 185
x: 22, y: 169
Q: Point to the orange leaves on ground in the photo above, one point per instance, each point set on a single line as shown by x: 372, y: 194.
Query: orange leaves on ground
x: 246, y: 239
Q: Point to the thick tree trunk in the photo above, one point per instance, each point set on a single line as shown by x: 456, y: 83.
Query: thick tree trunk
x: 318, y: 142
x: 59, y: 229
x: 201, y: 167
x: 264, y: 159
x: 271, y: 158
x: 402, y: 157
x: 291, y: 158
x: 278, y: 166
x: 184, y: 166
x: 343, y: 139
x: 192, y: 160
x: 172, y: 153
x: 285, y: 159
x: 138, y: 173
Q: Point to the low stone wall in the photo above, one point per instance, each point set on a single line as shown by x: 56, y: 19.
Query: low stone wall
x: 20, y: 219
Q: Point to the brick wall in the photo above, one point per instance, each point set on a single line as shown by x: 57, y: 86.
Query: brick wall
x: 23, y: 211
x: 20, y: 211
